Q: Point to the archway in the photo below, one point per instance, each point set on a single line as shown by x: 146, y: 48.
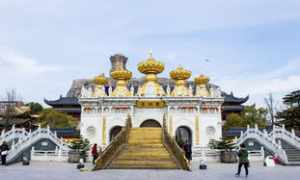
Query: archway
x: 150, y: 123
x: 114, y: 132
x: 183, y: 135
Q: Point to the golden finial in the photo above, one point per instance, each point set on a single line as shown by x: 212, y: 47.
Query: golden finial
x: 202, y: 79
x: 151, y: 66
x: 100, y: 79
x: 180, y: 73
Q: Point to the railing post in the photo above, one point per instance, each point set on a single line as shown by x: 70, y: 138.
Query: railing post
x: 256, y: 127
x: 32, y: 151
x: 293, y: 133
x: 279, y: 143
x: 13, y: 129
x: 262, y: 151
x: 2, y: 133
x: 13, y: 145
x: 235, y: 139
x: 283, y: 127
x: 248, y: 127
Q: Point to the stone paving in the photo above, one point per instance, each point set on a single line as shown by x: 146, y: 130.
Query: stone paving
x: 65, y: 171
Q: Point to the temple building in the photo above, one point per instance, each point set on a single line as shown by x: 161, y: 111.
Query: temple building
x: 192, y: 111
x: 69, y: 104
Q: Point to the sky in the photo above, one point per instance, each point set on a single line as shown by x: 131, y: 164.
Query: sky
x: 252, y: 45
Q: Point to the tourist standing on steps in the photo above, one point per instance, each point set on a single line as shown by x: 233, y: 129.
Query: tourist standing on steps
x: 4, y: 151
x: 243, y: 160
x: 94, y: 153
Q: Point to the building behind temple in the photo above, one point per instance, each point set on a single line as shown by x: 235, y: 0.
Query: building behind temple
x: 69, y: 104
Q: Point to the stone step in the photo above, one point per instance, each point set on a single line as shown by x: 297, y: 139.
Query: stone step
x: 144, y: 164
x: 137, y: 142
x: 147, y: 153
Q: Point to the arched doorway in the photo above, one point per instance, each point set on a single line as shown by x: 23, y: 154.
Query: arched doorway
x: 114, y: 132
x: 150, y: 123
x: 183, y: 135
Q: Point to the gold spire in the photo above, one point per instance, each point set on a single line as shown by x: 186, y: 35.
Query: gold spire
x: 100, y: 80
x: 202, y: 79
x: 180, y: 75
x: 151, y: 66
x: 201, y: 86
x: 122, y: 77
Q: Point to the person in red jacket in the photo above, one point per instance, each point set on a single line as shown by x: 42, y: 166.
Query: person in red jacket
x: 94, y: 153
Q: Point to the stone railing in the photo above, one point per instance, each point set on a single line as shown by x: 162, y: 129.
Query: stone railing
x: 207, y: 154
x: 58, y: 155
x: 13, y: 134
x: 265, y: 139
x: 284, y: 134
x: 172, y: 146
x: 114, y: 147
x: 31, y: 139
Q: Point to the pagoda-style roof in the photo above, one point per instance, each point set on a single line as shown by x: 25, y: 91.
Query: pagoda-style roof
x: 66, y: 101
x: 230, y: 98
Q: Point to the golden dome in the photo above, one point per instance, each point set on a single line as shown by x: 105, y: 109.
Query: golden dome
x: 201, y: 79
x: 100, y: 80
x: 121, y: 75
x: 151, y: 66
x: 180, y: 74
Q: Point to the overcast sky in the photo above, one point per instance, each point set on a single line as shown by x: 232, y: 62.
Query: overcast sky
x: 252, y: 45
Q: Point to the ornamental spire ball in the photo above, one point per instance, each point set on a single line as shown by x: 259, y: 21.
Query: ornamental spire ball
x: 100, y: 80
x: 180, y: 74
x: 202, y: 79
x: 151, y: 66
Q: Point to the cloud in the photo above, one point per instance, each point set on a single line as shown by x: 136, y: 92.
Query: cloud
x: 279, y: 82
x: 11, y: 61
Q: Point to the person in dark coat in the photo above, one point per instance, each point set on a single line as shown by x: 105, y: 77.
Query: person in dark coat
x: 4, y: 151
x: 243, y: 160
x: 188, y: 151
x: 94, y: 153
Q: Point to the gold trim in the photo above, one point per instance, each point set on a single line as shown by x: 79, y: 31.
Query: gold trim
x: 171, y: 126
x: 197, y: 133
x: 104, y: 131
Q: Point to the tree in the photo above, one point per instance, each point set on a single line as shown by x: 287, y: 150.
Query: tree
x: 271, y: 108
x: 56, y: 119
x: 251, y: 115
x: 10, y: 101
x: 290, y: 117
x: 233, y: 120
x: 35, y: 108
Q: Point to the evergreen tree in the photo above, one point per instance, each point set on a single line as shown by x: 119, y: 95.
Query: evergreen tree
x: 290, y: 117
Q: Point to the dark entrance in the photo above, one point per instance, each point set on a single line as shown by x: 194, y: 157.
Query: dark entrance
x: 114, y: 132
x: 183, y: 135
x: 150, y: 123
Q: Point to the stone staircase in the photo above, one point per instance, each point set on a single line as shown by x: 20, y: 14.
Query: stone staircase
x: 293, y: 154
x: 144, y: 150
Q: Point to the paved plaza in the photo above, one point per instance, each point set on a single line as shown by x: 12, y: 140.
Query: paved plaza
x: 65, y: 171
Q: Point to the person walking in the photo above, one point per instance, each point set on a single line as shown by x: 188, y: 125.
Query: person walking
x: 4, y: 151
x: 94, y: 153
x: 243, y: 160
